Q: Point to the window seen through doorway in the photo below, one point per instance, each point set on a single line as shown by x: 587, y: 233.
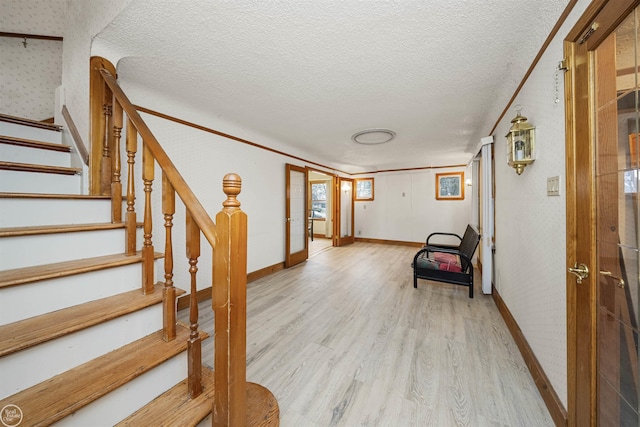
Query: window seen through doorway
x: 319, y: 200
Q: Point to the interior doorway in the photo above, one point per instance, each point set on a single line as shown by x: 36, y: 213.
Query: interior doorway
x: 321, y: 217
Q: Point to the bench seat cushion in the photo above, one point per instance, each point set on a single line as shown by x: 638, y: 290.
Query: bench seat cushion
x: 446, y: 262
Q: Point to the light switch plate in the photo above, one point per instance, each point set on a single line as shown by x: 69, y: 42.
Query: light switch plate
x: 553, y: 186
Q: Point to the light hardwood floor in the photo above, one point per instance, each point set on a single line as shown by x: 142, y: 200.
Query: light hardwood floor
x: 345, y: 340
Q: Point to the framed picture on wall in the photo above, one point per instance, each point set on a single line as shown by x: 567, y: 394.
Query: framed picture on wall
x: 364, y: 189
x: 450, y: 186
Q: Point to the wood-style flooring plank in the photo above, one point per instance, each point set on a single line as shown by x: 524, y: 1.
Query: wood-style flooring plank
x: 344, y: 339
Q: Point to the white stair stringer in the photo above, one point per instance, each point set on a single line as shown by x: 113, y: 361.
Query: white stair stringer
x: 23, y: 211
x: 33, y: 365
x: 44, y: 295
x: 29, y: 132
x: 39, y: 249
x: 125, y: 400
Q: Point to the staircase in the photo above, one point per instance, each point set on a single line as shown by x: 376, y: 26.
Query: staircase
x: 88, y: 337
x: 80, y: 342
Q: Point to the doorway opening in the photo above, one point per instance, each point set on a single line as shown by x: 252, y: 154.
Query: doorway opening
x: 320, y: 216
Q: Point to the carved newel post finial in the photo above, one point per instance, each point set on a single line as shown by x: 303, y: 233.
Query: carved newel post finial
x: 231, y: 185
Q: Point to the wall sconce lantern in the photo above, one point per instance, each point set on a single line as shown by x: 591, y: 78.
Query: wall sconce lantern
x: 520, y: 142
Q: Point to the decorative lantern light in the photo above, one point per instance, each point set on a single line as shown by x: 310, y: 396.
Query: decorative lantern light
x: 520, y: 143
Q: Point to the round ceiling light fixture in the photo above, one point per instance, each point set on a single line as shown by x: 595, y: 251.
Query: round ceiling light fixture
x: 373, y: 136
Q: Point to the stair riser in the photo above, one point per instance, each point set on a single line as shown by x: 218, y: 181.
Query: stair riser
x: 29, y: 132
x: 25, y: 251
x: 36, y: 156
x: 33, y: 299
x: 122, y: 402
x: 36, y: 364
x: 35, y: 182
x: 19, y: 212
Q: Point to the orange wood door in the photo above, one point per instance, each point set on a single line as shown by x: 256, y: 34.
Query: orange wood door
x: 602, y: 217
x: 343, y: 212
x: 296, y: 247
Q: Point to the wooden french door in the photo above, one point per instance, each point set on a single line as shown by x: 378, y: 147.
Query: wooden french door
x: 603, y: 233
x: 296, y: 247
x: 343, y: 212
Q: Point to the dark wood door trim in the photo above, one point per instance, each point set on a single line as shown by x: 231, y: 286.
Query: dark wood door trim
x: 598, y: 21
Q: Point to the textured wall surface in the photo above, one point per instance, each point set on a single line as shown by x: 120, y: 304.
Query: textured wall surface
x: 29, y: 75
x: 84, y: 19
x: 405, y: 207
x: 530, y: 235
x: 43, y: 17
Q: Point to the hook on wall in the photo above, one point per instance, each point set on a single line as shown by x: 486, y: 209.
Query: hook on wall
x: 24, y: 42
x: 562, y: 65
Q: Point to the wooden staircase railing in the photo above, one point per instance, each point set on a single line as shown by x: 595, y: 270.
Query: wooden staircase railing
x: 228, y: 240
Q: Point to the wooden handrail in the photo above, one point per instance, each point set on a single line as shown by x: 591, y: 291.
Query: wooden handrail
x: 199, y: 214
x: 233, y: 404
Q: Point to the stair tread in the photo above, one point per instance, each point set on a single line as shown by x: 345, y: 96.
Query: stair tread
x: 63, y: 394
x: 19, y: 276
x: 52, y: 229
x: 7, y: 195
x: 174, y: 407
x: 36, y: 330
x: 28, y: 167
x: 32, y: 143
x: 29, y: 122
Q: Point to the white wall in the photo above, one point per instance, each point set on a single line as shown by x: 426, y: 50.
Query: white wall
x: 30, y: 75
x: 84, y: 19
x: 530, y: 259
x: 203, y: 159
x: 405, y: 207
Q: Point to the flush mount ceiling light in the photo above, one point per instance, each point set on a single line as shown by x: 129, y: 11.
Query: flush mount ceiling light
x: 373, y: 136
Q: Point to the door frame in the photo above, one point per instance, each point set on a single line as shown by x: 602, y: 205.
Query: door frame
x: 292, y: 259
x: 598, y: 21
x: 330, y: 193
x: 338, y: 240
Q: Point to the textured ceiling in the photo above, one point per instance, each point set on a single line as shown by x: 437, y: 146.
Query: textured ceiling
x: 311, y: 73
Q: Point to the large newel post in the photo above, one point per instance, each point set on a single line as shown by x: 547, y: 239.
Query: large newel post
x: 230, y: 310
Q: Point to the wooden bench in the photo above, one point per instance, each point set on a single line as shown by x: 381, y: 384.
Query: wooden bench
x: 447, y: 263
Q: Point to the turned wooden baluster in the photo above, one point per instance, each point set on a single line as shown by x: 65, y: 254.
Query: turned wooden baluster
x: 130, y: 217
x: 230, y: 309
x: 105, y: 166
x: 169, y: 291
x: 147, y: 248
x: 194, y: 346
x: 116, y: 184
